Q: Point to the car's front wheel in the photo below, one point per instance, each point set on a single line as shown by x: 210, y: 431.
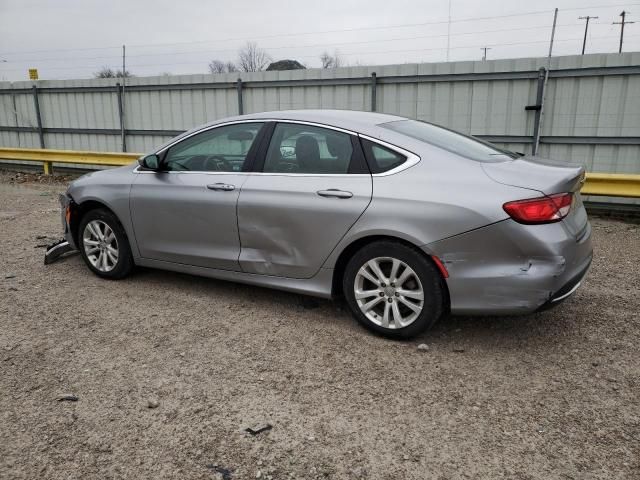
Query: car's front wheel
x: 393, y: 289
x: 104, y: 245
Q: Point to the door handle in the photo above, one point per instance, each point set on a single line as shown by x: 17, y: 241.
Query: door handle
x: 335, y: 193
x: 225, y: 187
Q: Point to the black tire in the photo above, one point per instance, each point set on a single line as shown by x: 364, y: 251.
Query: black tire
x: 124, y: 264
x: 434, y: 290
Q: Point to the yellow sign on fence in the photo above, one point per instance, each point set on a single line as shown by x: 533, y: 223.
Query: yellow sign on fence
x: 33, y: 74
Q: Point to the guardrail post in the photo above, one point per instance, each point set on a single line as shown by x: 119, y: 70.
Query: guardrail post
x: 36, y: 103
x: 538, y: 109
x: 123, y: 137
x: 239, y: 89
x: 374, y: 83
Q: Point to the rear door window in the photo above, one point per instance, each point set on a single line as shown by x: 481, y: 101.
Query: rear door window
x: 307, y: 149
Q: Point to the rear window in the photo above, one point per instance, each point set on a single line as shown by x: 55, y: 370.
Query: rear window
x: 455, y: 142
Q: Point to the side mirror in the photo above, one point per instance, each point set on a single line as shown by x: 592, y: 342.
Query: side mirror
x: 150, y: 162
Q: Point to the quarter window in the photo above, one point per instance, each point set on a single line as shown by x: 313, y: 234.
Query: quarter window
x: 381, y: 159
x: 296, y: 148
x: 222, y: 149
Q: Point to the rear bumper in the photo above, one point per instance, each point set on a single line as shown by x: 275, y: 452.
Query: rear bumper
x: 568, y: 289
x: 507, y: 268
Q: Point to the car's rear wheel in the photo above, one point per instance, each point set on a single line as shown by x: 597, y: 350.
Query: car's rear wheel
x: 104, y: 245
x: 393, y: 289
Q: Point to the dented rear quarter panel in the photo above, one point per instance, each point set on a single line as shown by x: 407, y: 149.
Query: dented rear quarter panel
x: 509, y: 268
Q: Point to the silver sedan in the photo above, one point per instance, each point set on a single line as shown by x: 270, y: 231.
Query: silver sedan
x: 407, y: 220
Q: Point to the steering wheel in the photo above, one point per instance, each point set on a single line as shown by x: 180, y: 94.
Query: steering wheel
x: 212, y: 163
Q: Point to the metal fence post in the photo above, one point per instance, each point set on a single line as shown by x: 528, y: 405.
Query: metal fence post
x: 36, y: 103
x: 15, y: 114
x: 239, y: 89
x: 374, y: 83
x: 123, y: 138
x: 538, y: 109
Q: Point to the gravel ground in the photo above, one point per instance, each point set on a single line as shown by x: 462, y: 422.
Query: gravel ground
x: 169, y: 370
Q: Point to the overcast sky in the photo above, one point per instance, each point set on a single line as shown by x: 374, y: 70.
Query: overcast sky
x: 75, y: 38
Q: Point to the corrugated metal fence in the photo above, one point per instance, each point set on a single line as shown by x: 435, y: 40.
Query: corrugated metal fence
x: 591, y: 112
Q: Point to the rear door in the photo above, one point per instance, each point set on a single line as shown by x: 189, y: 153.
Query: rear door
x: 309, y: 189
x: 187, y: 212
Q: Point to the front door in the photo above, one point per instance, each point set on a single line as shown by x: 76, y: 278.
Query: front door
x: 187, y: 212
x: 312, y: 188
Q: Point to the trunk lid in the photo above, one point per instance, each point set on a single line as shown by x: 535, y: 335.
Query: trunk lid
x: 543, y: 175
x: 547, y: 177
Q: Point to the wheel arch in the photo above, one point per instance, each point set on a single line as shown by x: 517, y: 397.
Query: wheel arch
x: 353, y: 247
x: 81, y: 209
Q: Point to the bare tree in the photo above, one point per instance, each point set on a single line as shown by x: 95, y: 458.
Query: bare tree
x: 252, y: 58
x: 331, y: 61
x: 108, y: 72
x: 218, y: 66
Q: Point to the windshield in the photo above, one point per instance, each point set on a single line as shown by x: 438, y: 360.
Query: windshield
x: 455, y: 142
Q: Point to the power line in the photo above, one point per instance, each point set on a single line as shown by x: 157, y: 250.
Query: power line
x: 357, y: 29
x: 377, y: 52
x: 289, y: 47
x: 419, y: 37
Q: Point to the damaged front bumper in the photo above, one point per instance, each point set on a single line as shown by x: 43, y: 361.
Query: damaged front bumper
x: 62, y: 247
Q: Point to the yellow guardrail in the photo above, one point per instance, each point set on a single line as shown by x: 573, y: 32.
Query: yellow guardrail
x: 612, y: 185
x: 47, y: 157
x: 609, y: 184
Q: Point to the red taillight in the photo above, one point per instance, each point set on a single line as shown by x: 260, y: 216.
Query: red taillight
x: 540, y: 210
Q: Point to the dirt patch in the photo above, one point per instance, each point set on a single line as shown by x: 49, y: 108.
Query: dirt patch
x: 160, y: 375
x: 31, y: 178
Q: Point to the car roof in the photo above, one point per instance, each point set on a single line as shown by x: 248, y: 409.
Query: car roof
x: 348, y: 119
x: 353, y: 120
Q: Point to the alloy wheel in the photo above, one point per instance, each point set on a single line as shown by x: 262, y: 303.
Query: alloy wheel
x: 388, y: 292
x: 100, y: 245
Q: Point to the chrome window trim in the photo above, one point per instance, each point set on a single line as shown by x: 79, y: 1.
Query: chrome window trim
x: 315, y: 124
x: 412, y: 158
x: 269, y: 174
x: 254, y: 120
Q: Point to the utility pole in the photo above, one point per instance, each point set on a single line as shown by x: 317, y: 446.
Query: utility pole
x: 124, y: 81
x: 622, y: 24
x: 484, y: 55
x: 586, y: 27
x: 536, y: 140
x: 449, y: 31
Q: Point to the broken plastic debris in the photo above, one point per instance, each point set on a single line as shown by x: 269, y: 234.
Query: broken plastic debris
x: 258, y: 429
